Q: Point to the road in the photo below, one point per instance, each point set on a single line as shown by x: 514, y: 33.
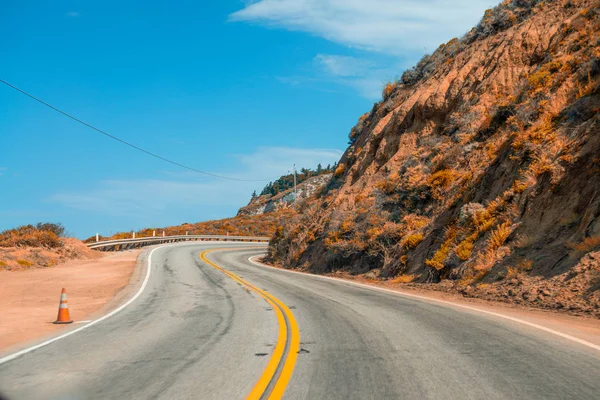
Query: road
x: 196, y: 332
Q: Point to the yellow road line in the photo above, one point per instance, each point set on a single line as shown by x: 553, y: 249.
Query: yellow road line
x: 290, y: 362
x: 282, y: 312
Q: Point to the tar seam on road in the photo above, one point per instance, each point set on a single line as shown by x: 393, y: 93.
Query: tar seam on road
x: 431, y: 300
x: 276, y: 376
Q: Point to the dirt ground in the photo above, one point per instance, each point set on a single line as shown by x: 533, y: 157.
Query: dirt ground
x: 30, y: 298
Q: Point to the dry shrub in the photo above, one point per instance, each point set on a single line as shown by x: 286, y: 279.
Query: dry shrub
x: 339, y: 171
x: 353, y: 135
x: 486, y: 259
x: 437, y: 261
x: 466, y: 279
x: 491, y: 151
x: 24, y: 263
x: 499, y: 236
x: 523, y: 266
x: 539, y: 80
x: 519, y: 186
x: 388, y: 89
x: 465, y: 248
x: 123, y: 235
x: 403, y: 279
x: 542, y: 131
x: 347, y: 225
x: 484, y: 220
x: 443, y: 178
x: 543, y: 78
x: 29, y: 236
x: 414, y: 221
x: 585, y: 89
x: 412, y: 241
x: 414, y: 177
x: 511, y: 272
x: 333, y: 237
x: 481, y: 273
x: 390, y: 232
x: 390, y: 184
x: 588, y: 244
x: 541, y: 164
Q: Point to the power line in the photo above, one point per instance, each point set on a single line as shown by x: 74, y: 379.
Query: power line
x: 127, y: 143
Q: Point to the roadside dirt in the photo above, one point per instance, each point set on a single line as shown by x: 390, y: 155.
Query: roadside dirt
x: 582, y: 327
x: 30, y: 298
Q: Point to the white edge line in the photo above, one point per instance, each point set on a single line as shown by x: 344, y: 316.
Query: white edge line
x: 429, y: 299
x: 94, y: 322
x: 11, y: 357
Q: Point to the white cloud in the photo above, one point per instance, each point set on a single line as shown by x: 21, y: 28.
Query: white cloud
x: 182, y: 190
x: 272, y: 162
x: 343, y: 65
x: 73, y: 14
x: 363, y: 75
x: 398, y: 29
x: 388, y: 26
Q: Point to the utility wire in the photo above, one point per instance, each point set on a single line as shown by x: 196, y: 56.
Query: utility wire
x: 127, y: 143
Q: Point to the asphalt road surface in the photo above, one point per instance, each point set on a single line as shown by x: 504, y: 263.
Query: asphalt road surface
x: 198, y: 332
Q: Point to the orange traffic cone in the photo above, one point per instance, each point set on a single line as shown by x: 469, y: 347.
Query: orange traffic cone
x: 63, y: 309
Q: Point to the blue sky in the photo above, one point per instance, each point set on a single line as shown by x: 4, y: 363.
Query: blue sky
x: 239, y: 88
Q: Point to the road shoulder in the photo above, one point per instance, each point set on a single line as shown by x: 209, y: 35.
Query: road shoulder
x: 30, y: 298
x: 582, y: 328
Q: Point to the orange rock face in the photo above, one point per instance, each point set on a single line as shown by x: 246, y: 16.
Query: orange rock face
x: 480, y: 166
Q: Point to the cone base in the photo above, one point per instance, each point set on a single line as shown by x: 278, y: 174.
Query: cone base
x: 62, y: 322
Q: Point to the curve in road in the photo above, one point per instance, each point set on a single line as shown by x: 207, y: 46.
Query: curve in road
x: 195, y: 332
x: 276, y: 376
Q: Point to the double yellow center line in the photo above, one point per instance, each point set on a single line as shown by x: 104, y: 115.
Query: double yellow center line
x: 278, y: 372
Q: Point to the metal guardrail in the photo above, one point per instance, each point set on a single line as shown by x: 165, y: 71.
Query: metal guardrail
x: 125, y: 244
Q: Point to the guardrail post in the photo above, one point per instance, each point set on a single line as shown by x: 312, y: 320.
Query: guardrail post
x: 137, y: 241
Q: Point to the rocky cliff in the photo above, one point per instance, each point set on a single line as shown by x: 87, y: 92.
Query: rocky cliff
x: 268, y: 203
x: 479, y: 169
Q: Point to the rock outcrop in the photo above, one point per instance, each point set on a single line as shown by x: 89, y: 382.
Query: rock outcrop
x: 480, y: 166
x: 267, y: 203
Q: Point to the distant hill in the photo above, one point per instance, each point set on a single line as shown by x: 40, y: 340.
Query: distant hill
x: 260, y: 217
x: 286, y: 182
x: 266, y: 203
x: 243, y: 225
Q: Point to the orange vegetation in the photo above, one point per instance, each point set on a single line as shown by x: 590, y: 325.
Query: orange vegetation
x: 482, y: 154
x: 242, y: 225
